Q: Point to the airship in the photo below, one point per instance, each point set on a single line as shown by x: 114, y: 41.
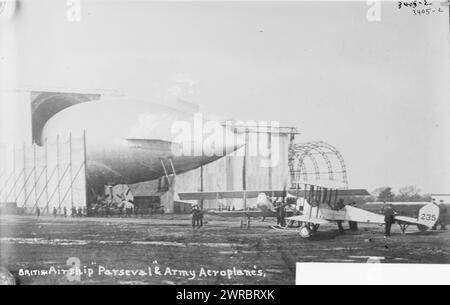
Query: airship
x: 129, y: 142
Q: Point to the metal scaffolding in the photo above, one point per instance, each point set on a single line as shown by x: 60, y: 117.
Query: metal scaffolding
x: 319, y: 160
x: 48, y: 177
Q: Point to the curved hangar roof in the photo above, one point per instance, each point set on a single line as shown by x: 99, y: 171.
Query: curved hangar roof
x: 45, y: 105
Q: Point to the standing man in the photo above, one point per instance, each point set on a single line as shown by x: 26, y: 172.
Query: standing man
x: 200, y: 217
x: 38, y: 211
x: 434, y: 228
x: 195, y: 215
x: 340, y: 227
x: 389, y: 219
x: 278, y: 211
x: 55, y: 212
x: 65, y: 211
x: 442, y: 214
x: 281, y: 214
x: 353, y: 224
x: 339, y: 206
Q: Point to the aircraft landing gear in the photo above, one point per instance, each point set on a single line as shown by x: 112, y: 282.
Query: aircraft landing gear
x: 422, y: 228
x: 307, y: 230
x: 403, y: 227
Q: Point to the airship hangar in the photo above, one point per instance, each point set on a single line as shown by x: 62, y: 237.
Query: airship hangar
x: 71, y: 160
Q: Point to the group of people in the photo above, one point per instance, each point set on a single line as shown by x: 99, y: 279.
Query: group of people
x: 197, y: 216
x: 74, y: 212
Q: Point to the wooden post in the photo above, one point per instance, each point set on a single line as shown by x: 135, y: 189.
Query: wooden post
x: 46, y: 177
x: 244, y: 180
x: 58, y: 185
x: 86, y: 187
x: 14, y: 170
x: 4, y: 171
x: 24, y: 176
x: 269, y: 141
x: 201, y: 184
x: 35, y: 176
x: 71, y: 169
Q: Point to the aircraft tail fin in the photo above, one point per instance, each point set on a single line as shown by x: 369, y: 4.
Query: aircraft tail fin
x: 428, y: 215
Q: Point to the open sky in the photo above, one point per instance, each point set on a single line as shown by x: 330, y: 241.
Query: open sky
x: 378, y: 91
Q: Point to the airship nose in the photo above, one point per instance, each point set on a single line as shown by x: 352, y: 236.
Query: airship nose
x: 234, y: 141
x: 223, y: 143
x: 216, y: 141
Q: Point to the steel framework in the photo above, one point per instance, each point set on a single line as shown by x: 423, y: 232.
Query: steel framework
x: 50, y: 176
x: 324, y: 158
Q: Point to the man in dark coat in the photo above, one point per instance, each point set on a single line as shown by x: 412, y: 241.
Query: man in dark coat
x: 195, y: 216
x: 281, y: 214
x: 389, y: 219
x: 442, y: 214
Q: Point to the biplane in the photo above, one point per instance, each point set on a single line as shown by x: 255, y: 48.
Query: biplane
x: 314, y: 216
x: 316, y: 206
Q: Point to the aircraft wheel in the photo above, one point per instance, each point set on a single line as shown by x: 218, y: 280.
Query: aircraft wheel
x: 305, y: 232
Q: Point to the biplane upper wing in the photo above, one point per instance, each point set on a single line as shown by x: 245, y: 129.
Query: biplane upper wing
x: 226, y: 195
x: 254, y: 194
x: 304, y: 218
x: 353, y: 192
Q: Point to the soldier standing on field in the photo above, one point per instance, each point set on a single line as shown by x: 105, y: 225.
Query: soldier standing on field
x: 442, y: 214
x: 389, y: 219
x: 196, y: 217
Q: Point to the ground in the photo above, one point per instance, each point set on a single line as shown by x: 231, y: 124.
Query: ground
x: 259, y: 255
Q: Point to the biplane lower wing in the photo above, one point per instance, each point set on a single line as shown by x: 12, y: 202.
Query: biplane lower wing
x: 363, y: 216
x: 304, y: 218
x: 255, y: 214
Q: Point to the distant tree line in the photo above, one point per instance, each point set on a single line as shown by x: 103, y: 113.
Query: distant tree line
x: 386, y: 193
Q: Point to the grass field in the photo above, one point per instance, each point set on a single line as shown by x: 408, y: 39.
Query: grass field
x: 117, y: 249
